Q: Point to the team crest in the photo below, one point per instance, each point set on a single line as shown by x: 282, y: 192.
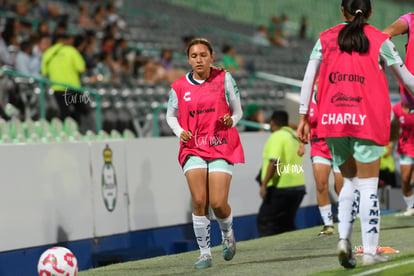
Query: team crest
x: 109, y: 185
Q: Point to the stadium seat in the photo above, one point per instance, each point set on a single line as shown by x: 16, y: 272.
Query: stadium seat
x: 42, y: 128
x: 59, y: 137
x: 89, y: 136
x: 102, y: 135
x: 33, y: 138
x: 75, y: 136
x: 115, y: 134
x: 29, y: 127
x: 4, y: 128
x: 128, y: 134
x: 56, y: 126
x: 16, y: 129
x: 70, y: 126
x: 20, y: 138
x: 47, y: 137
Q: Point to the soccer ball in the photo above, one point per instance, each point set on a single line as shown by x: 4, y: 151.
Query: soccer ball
x: 57, y: 261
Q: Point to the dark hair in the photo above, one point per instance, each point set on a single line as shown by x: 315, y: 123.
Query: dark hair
x: 25, y: 45
x: 352, y: 36
x: 79, y: 39
x: 8, y: 30
x: 196, y: 41
x: 59, y: 37
x: 280, y: 118
x: 226, y: 48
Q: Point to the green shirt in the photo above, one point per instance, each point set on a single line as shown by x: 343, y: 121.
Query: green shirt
x: 63, y: 63
x: 282, y: 146
x: 229, y: 61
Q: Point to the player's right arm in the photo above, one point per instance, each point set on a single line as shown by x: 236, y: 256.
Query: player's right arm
x: 311, y: 75
x: 172, y: 118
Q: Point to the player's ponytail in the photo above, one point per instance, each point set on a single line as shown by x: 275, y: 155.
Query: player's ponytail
x: 352, y: 37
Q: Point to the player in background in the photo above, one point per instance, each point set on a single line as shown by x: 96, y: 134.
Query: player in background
x: 404, y: 116
x: 322, y: 165
x: 403, y: 112
x: 354, y: 113
x: 203, y: 110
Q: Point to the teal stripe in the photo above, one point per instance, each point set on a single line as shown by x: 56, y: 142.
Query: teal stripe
x: 388, y: 53
x: 317, y: 50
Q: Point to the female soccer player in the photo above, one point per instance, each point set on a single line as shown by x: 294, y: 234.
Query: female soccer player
x: 404, y: 116
x: 203, y: 110
x: 322, y: 164
x: 404, y: 113
x: 354, y: 113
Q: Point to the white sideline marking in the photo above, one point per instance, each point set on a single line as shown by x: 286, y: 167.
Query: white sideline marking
x: 372, y: 271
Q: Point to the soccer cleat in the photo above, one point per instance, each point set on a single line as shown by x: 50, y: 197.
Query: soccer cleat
x: 229, y: 247
x: 409, y: 212
x: 371, y: 259
x: 327, y: 230
x: 204, y: 261
x: 345, y: 255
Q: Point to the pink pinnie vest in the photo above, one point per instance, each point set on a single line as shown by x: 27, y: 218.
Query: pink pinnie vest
x: 406, y: 140
x: 353, y: 98
x: 318, y: 145
x: 409, y: 63
x: 200, y: 108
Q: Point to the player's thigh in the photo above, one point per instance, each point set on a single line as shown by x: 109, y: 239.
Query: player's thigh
x: 406, y: 171
x: 195, y: 169
x: 321, y: 170
x: 219, y: 178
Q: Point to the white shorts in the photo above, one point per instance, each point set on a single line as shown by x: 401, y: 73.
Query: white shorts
x: 216, y: 165
x: 326, y: 161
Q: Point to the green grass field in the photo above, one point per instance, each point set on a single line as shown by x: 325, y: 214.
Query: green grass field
x: 295, y: 253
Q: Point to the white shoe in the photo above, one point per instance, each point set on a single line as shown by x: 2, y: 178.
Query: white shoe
x: 409, y: 212
x: 203, y: 261
x: 345, y: 256
x: 371, y: 259
x: 229, y: 247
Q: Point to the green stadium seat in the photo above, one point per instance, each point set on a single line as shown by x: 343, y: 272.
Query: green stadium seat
x: 75, y: 136
x: 60, y: 137
x: 20, y: 138
x: 115, y: 134
x: 42, y: 127
x: 70, y: 126
x: 29, y: 128
x: 5, y: 139
x: 56, y: 126
x: 89, y: 136
x: 16, y: 129
x: 4, y: 128
x: 129, y: 134
x: 47, y: 138
x: 33, y: 138
x: 102, y: 135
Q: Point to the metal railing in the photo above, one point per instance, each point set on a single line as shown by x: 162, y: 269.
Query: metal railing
x: 293, y: 83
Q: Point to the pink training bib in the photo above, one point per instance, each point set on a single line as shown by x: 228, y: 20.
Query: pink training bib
x: 200, y: 109
x: 353, y: 98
